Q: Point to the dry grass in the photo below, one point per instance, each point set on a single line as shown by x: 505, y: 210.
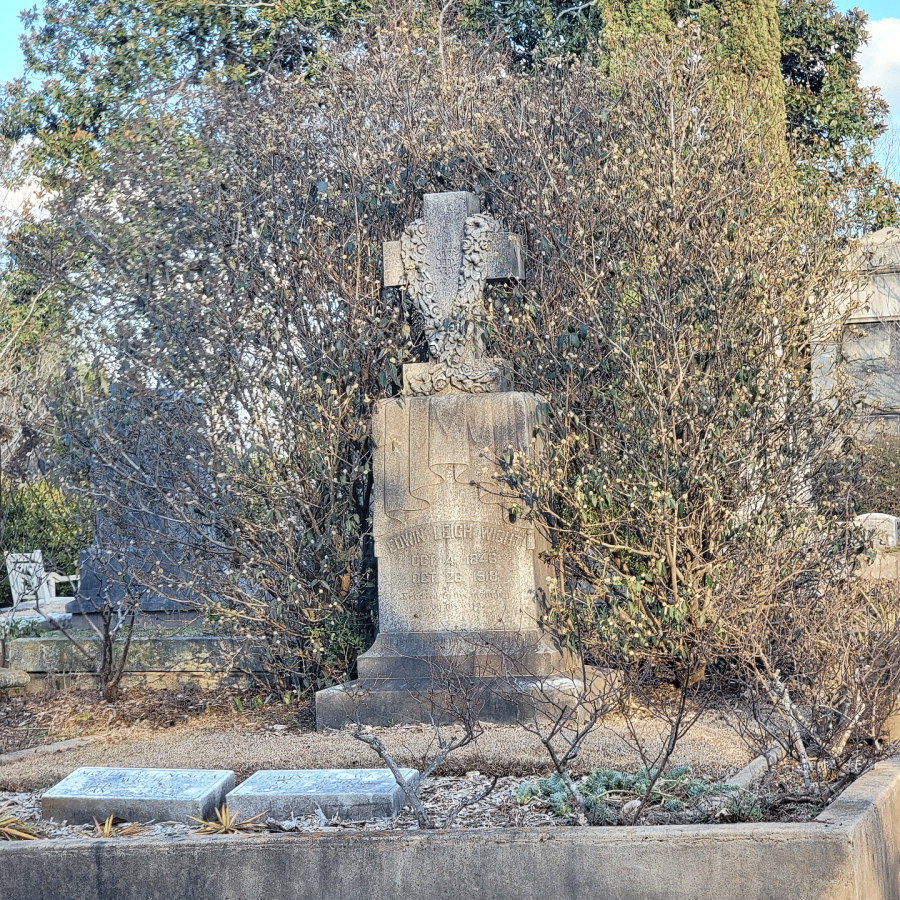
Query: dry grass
x: 31, y: 720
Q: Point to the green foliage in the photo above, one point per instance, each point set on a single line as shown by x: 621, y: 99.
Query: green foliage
x: 31, y: 352
x: 743, y: 807
x: 826, y: 103
x: 878, y: 485
x: 25, y: 317
x: 39, y: 516
x: 831, y: 118
x: 16, y: 628
x: 863, y: 478
x: 91, y: 66
x: 673, y: 791
x: 537, y: 29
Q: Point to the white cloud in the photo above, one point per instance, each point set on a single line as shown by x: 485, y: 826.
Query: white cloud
x: 880, y: 63
x: 880, y: 60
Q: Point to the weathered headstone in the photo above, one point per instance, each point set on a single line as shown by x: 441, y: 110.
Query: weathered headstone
x: 143, y: 533
x: 460, y: 581
x: 349, y: 794
x: 885, y: 529
x: 137, y: 795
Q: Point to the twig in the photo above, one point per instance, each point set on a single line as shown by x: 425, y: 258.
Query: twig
x: 410, y: 793
x: 468, y: 801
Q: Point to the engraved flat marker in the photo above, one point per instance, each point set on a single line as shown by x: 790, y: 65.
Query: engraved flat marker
x: 137, y: 795
x: 354, y: 794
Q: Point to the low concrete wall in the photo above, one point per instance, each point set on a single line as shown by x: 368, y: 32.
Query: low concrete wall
x: 851, y: 853
x: 869, y: 813
x: 165, y: 653
x: 163, y: 661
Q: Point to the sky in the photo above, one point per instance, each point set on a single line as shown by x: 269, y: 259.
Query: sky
x: 880, y: 59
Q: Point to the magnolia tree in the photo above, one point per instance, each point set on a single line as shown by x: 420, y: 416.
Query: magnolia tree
x: 675, y: 291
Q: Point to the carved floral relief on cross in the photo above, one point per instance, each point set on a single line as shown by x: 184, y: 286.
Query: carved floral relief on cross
x: 444, y: 260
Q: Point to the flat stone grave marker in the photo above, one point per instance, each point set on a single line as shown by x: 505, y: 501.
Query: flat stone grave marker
x: 137, y: 795
x: 354, y: 794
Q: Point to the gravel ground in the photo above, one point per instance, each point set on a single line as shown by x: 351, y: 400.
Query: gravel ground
x: 440, y: 796
x: 711, y: 748
x: 205, y: 732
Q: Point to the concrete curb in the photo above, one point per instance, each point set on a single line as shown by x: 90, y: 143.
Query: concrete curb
x: 43, y: 749
x: 851, y: 852
x: 756, y: 768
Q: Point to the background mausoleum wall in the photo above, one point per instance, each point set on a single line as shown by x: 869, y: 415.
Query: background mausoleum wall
x: 870, y: 347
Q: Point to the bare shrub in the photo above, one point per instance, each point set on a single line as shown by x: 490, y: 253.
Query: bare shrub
x: 666, y: 320
x: 814, y: 652
x: 455, y: 699
x: 878, y: 476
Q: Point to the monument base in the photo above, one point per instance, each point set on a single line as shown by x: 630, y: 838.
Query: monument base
x: 442, y: 656
x: 396, y: 701
x: 498, y: 677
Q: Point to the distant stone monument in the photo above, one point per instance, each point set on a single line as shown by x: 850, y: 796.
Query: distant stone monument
x: 140, y: 554
x: 868, y: 349
x: 884, y: 529
x: 461, y: 584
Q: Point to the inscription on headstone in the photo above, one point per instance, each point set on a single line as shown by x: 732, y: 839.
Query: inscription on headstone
x: 355, y: 794
x: 138, y: 795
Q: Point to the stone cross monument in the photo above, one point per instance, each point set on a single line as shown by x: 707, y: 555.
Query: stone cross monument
x: 443, y: 261
x: 461, y: 586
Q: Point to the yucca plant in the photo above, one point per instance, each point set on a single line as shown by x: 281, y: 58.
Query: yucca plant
x: 111, y: 828
x: 227, y: 822
x: 13, y: 828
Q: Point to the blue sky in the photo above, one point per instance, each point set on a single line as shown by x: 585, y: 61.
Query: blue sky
x: 10, y: 28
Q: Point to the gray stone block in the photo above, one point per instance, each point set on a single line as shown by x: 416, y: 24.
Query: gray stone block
x: 442, y: 656
x: 502, y: 701
x: 137, y: 795
x: 12, y: 678
x: 49, y: 622
x: 354, y: 794
x: 102, y: 579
